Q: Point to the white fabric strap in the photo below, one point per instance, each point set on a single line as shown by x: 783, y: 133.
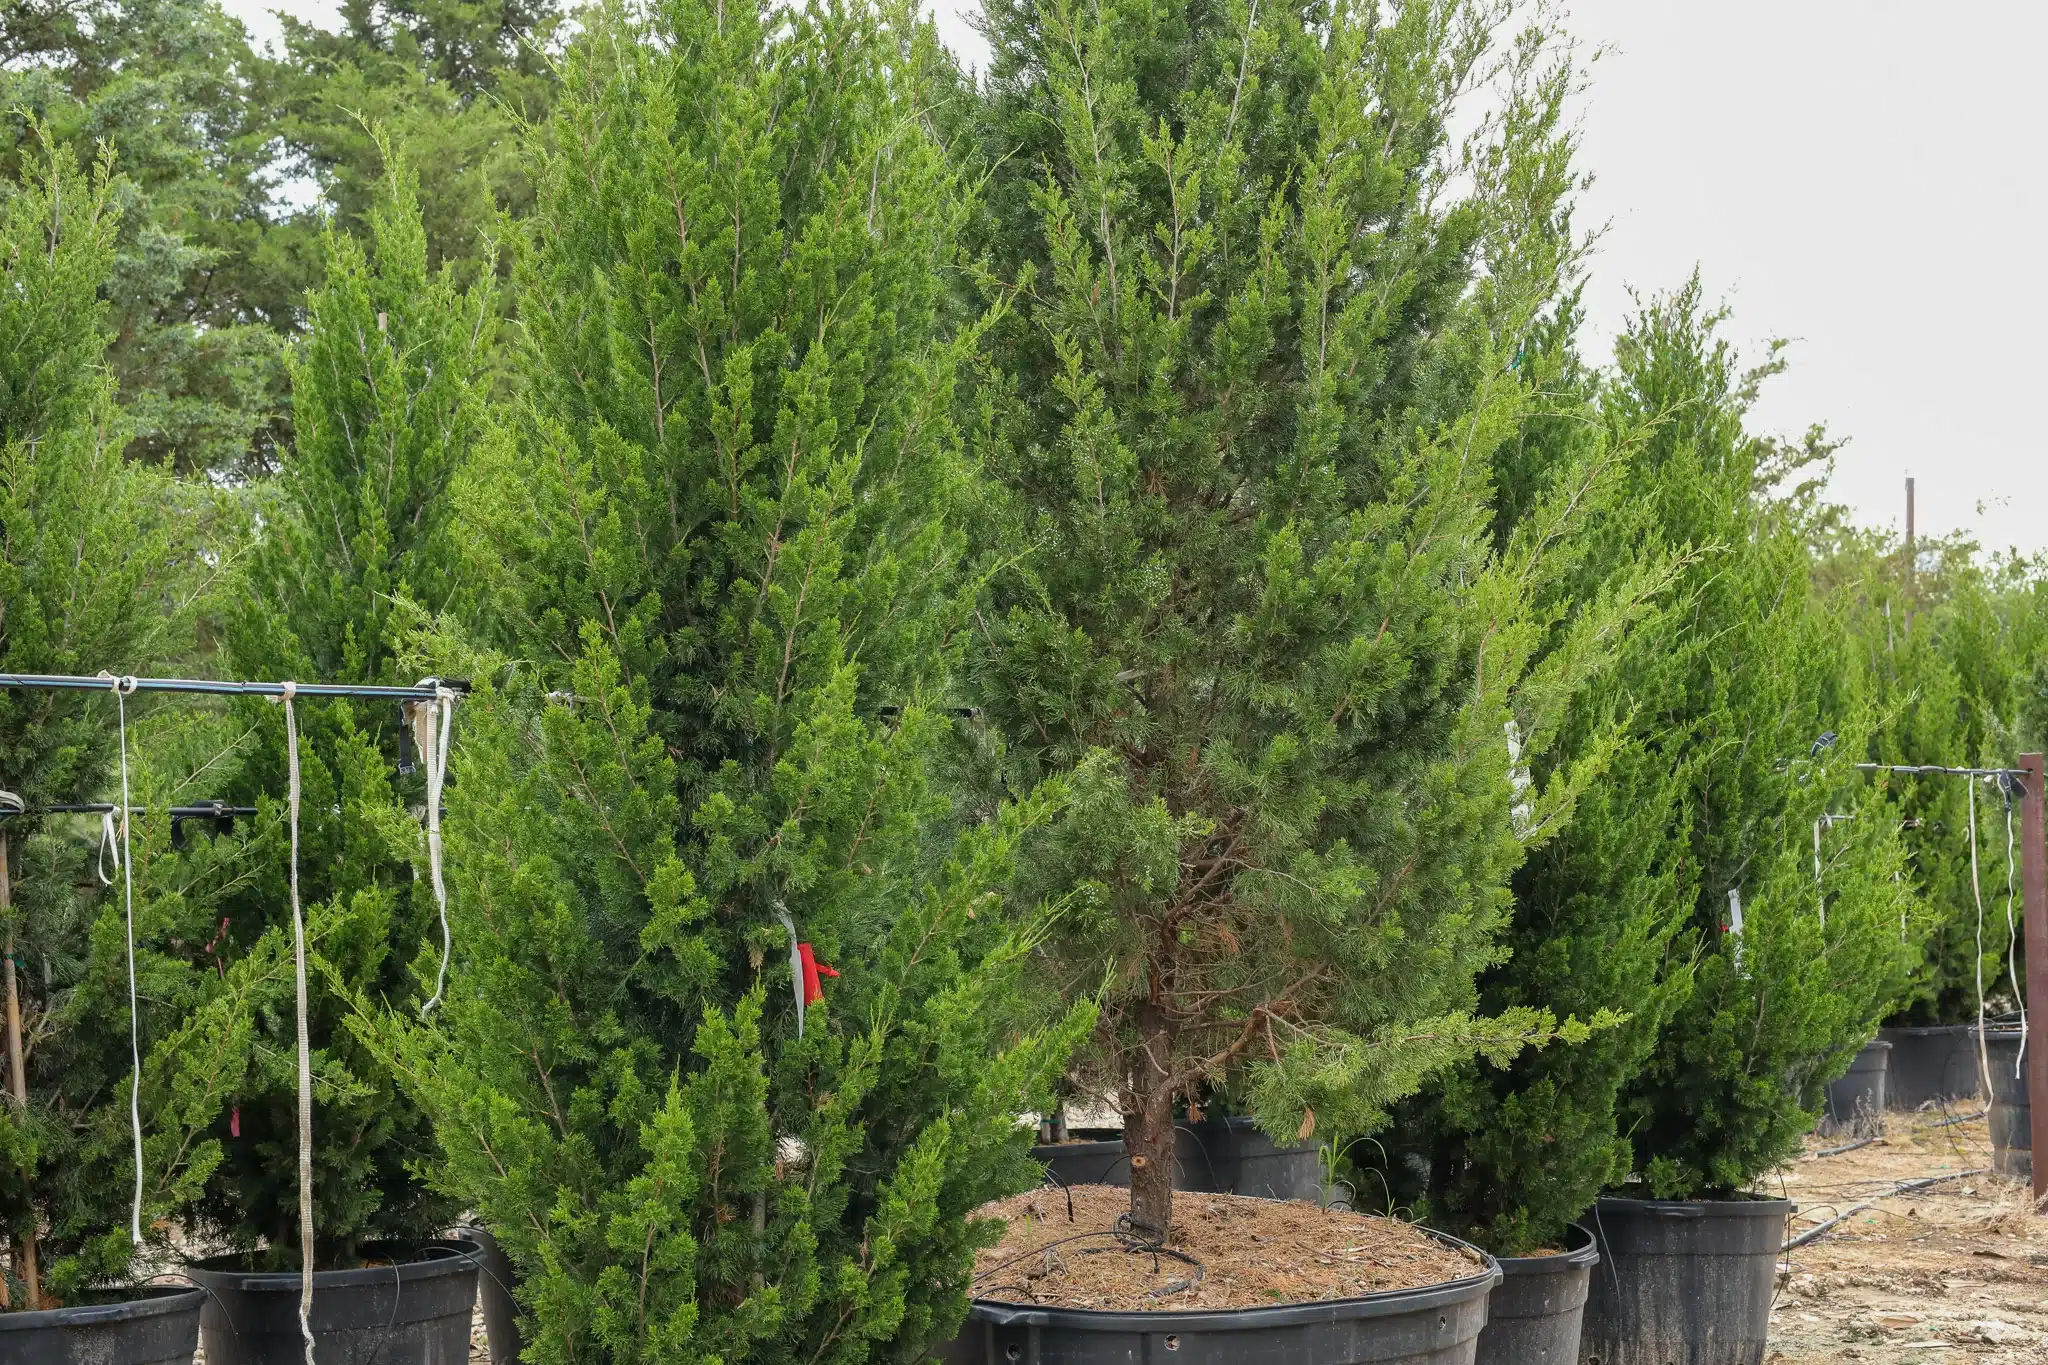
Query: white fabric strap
x: 291, y: 740
x: 123, y: 688
x: 110, y: 847
x: 431, y: 727
x: 1977, y: 891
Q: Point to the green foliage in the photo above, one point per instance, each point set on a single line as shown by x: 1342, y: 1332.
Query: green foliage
x: 1736, y: 698
x: 385, y: 407
x: 207, y: 271
x: 450, y: 83
x: 93, y: 569
x: 721, y: 523
x: 1258, y: 363
x: 1507, y: 1155
x: 1948, y: 665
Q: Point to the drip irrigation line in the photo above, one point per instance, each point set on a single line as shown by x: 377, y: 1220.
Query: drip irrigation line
x: 1815, y: 1233
x: 66, y: 682
x: 1847, y: 1147
x: 1960, y: 1118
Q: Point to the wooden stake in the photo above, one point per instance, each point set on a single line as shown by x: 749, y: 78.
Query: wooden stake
x: 2034, y: 887
x: 17, y: 1078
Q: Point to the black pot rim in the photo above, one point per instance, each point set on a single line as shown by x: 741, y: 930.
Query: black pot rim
x: 1760, y: 1207
x: 1926, y: 1030
x: 158, y: 1300
x: 1386, y: 1303
x: 453, y: 1260
x: 1587, y: 1253
x: 1883, y: 1044
x: 1083, y: 1146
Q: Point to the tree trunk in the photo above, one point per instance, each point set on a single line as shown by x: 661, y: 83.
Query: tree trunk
x: 1148, y: 1124
x: 24, y: 1248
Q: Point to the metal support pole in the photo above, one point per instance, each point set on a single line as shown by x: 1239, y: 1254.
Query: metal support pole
x: 2034, y: 885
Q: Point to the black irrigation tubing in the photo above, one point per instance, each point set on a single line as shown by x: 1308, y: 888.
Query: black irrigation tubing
x: 1814, y: 1234
x: 65, y: 682
x: 1960, y: 1118
x: 1847, y: 1147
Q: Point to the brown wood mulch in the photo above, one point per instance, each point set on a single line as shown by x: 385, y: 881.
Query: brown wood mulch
x: 1252, y: 1253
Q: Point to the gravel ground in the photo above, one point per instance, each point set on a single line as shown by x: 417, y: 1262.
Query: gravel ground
x: 1950, y: 1275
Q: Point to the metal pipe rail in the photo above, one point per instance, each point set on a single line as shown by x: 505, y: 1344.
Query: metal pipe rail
x: 66, y: 682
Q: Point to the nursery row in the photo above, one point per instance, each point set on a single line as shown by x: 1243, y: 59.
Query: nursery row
x: 955, y: 610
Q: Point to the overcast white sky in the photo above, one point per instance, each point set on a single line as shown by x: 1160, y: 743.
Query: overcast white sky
x: 1863, y: 177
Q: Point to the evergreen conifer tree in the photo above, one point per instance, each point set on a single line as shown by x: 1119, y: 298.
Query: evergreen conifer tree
x: 1507, y: 1155
x: 1750, y: 695
x: 208, y: 272
x: 1261, y: 360
x: 93, y: 569
x: 386, y: 408
x: 722, y: 527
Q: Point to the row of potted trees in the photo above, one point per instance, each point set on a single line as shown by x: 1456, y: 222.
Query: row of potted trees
x: 1125, y: 560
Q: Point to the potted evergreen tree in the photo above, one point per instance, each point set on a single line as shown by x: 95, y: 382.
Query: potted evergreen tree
x: 1509, y: 1157
x: 1754, y: 706
x: 1252, y: 387
x: 386, y: 404
x: 88, y: 579
x: 711, y: 559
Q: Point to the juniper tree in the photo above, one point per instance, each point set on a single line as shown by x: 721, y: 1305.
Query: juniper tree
x: 91, y: 577
x: 1260, y: 360
x: 1508, y: 1155
x: 1945, y: 669
x: 385, y: 408
x: 1750, y: 697
x: 721, y: 526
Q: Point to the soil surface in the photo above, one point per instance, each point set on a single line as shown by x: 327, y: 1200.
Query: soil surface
x: 1956, y: 1274
x: 1252, y: 1253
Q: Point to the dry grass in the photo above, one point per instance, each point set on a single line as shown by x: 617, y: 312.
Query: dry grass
x: 1953, y: 1275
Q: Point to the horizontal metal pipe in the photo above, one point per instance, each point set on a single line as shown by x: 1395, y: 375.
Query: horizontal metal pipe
x: 65, y: 682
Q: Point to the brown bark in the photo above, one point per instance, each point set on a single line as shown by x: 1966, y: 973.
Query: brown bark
x: 1148, y: 1122
x: 24, y: 1248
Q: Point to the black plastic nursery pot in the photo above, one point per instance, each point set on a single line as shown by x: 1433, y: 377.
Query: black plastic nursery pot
x: 495, y: 1279
x: 411, y: 1312
x: 1097, y: 1157
x: 1934, y: 1064
x: 2012, y: 1135
x: 1856, y: 1102
x: 1245, y: 1161
x: 1682, y: 1282
x: 144, y: 1327
x: 1539, y: 1306
x: 1436, y: 1325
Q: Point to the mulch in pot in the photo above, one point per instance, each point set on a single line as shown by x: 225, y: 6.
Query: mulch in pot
x: 1223, y: 1252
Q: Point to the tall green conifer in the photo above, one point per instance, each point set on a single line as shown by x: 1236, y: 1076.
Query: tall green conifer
x: 1266, y: 339
x: 721, y: 527
x: 358, y: 534
x: 1750, y: 695
x: 94, y: 563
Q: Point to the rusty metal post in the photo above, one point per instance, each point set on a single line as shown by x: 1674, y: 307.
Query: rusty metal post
x: 2034, y: 885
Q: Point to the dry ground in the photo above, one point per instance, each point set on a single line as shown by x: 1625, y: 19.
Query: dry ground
x: 1952, y: 1275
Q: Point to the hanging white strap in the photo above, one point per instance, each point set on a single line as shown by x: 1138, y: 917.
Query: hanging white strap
x: 796, y: 966
x: 1977, y: 891
x: 110, y: 846
x: 291, y: 742
x: 123, y: 688
x: 432, y: 725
